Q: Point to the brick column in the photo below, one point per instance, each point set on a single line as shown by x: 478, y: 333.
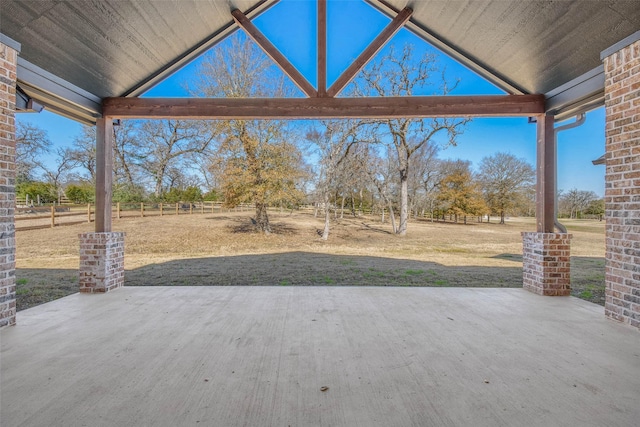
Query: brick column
x: 546, y: 263
x: 101, y: 261
x: 8, y: 61
x: 622, y: 181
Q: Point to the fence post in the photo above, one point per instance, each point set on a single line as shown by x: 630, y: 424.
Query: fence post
x: 142, y: 209
x: 118, y: 209
x: 177, y: 212
x: 202, y: 208
x: 53, y: 216
x: 190, y: 208
x: 212, y: 204
x: 161, y: 209
x: 88, y: 212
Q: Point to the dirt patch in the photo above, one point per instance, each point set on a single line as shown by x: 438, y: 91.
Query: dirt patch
x: 224, y: 249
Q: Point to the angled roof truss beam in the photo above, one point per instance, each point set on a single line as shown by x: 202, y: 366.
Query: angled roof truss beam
x: 374, y: 47
x: 273, y: 53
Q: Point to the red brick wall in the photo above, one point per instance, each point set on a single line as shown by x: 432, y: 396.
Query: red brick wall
x: 546, y: 263
x: 8, y: 61
x: 101, y: 261
x: 622, y: 184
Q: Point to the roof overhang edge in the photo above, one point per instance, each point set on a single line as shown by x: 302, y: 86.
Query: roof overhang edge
x: 8, y: 41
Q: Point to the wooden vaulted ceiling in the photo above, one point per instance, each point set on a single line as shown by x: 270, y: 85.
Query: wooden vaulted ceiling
x: 74, y: 54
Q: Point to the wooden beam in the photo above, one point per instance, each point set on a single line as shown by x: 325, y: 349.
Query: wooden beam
x: 273, y: 53
x: 370, y: 51
x: 545, y: 174
x: 321, y: 108
x: 104, y: 177
x: 322, y: 48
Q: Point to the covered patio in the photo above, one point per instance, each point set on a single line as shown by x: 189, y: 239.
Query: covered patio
x: 249, y: 356
x: 327, y: 356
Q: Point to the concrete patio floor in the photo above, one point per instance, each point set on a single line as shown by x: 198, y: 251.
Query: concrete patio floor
x: 261, y: 356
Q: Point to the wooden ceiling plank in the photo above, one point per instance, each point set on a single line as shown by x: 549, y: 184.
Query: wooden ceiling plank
x: 371, y: 51
x: 273, y: 53
x: 322, y: 48
x: 322, y: 108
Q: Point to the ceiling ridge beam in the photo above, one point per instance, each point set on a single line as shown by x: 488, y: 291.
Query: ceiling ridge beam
x: 321, y: 108
x: 273, y: 53
x: 322, y: 48
x: 374, y: 47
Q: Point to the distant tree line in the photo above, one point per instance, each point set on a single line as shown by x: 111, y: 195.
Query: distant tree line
x: 580, y: 204
x: 388, y: 167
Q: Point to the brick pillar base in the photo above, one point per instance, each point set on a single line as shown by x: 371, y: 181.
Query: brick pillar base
x: 101, y: 261
x: 546, y: 262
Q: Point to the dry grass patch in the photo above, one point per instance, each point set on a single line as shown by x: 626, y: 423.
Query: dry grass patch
x: 223, y: 249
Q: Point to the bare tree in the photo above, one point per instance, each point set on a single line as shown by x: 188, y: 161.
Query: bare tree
x: 424, y: 177
x: 127, y: 151
x: 505, y: 180
x: 379, y: 169
x: 202, y: 162
x: 31, y: 143
x: 400, y: 74
x: 574, y: 202
x: 332, y: 144
x: 168, y: 142
x: 84, y: 151
x: 65, y: 163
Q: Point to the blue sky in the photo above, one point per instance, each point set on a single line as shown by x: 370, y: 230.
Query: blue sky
x: 347, y: 37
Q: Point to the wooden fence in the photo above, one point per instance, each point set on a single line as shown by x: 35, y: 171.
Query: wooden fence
x: 37, y: 217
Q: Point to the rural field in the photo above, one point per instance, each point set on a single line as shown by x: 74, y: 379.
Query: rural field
x: 222, y: 249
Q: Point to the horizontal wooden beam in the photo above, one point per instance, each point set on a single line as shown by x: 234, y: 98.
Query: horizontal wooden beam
x: 371, y: 50
x: 323, y: 108
x: 273, y: 53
